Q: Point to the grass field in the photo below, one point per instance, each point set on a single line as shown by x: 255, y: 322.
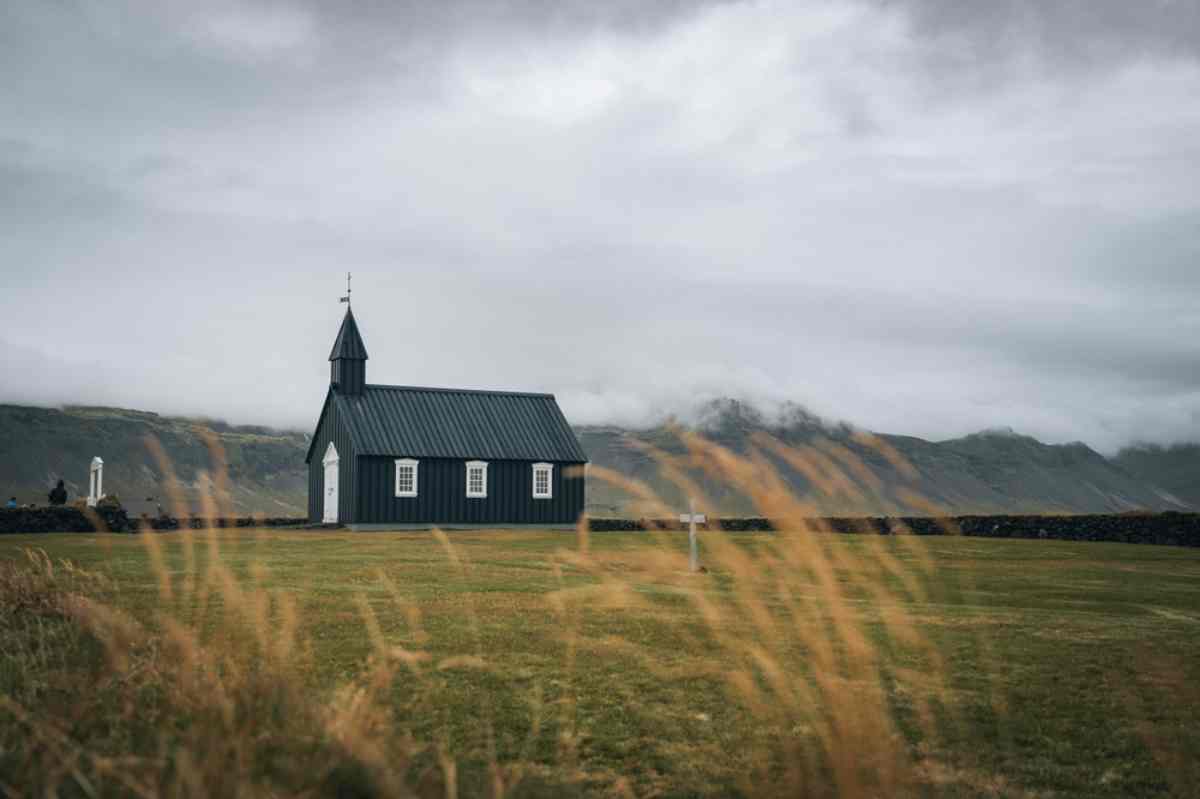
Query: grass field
x: 523, y: 665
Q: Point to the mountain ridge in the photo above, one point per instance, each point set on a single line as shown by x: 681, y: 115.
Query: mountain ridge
x: 991, y: 471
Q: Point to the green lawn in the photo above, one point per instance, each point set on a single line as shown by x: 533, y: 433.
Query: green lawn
x: 1005, y: 668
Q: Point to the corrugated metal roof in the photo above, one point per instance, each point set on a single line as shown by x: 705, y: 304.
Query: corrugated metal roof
x: 349, y: 343
x: 459, y: 423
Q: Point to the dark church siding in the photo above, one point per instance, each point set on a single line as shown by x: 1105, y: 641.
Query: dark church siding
x: 442, y: 494
x: 350, y: 377
x: 329, y: 429
x: 372, y: 425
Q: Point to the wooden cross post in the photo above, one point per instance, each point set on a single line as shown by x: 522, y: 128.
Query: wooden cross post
x: 691, y: 517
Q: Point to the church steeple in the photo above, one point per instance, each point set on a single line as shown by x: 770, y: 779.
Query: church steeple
x: 348, y: 359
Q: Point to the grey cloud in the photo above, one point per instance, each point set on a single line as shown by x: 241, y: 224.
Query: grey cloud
x: 33, y: 196
x: 1162, y: 253
x: 634, y: 205
x: 969, y: 49
x: 1089, y: 31
x: 453, y: 18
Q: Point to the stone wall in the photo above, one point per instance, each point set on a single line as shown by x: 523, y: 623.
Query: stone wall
x: 197, y: 523
x: 64, y: 519
x: 107, y: 518
x: 1173, y: 529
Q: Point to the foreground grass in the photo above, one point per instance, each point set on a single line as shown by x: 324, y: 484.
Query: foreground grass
x: 1023, y: 667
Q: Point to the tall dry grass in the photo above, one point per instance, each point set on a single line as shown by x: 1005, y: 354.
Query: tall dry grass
x: 212, y: 696
x: 804, y: 631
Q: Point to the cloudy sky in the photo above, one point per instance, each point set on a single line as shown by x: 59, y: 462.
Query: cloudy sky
x: 921, y: 216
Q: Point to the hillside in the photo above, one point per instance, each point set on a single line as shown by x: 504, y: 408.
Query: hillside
x: 1174, y: 470
x: 40, y: 445
x: 988, y: 472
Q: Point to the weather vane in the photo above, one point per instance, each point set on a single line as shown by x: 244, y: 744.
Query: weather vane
x: 346, y: 299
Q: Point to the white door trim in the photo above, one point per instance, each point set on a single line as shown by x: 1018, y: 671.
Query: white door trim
x: 330, y: 461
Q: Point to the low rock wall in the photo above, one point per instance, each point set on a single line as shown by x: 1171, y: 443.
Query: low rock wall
x: 196, y: 523
x: 68, y: 519
x: 1172, y: 529
x: 64, y: 519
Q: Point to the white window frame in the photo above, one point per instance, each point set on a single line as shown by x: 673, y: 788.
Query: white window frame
x: 548, y: 468
x: 481, y: 465
x: 415, y: 464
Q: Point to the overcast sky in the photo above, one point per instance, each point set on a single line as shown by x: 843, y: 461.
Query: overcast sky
x: 920, y: 216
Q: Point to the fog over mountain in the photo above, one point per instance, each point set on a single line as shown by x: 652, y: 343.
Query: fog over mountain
x: 927, y: 217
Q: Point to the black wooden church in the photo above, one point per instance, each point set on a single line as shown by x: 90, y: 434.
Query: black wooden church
x: 401, y: 456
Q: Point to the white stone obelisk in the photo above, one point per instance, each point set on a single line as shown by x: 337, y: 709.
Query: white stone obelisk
x: 96, y: 482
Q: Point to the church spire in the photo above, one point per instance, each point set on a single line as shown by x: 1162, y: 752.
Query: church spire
x: 349, y: 343
x: 348, y: 359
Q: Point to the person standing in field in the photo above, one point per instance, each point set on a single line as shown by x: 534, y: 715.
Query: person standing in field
x: 58, y: 494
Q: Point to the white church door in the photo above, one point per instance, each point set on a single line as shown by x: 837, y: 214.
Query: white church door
x: 331, y: 484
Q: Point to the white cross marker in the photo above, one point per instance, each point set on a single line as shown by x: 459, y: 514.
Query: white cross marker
x: 691, y: 518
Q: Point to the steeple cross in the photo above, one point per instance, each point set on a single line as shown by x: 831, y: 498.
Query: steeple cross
x: 346, y: 299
